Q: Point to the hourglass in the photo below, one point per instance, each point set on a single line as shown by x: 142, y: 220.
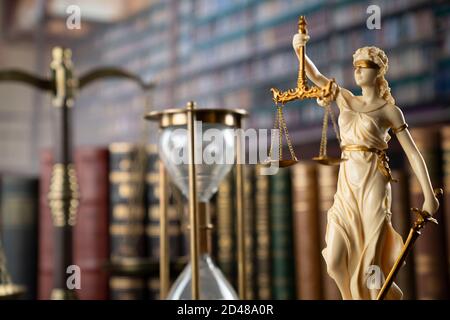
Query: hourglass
x: 183, y: 144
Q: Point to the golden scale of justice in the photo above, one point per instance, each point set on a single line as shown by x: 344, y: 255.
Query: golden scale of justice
x: 327, y: 94
x: 301, y: 92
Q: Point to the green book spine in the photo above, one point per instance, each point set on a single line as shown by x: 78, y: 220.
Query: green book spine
x: 283, y: 277
x: 262, y: 237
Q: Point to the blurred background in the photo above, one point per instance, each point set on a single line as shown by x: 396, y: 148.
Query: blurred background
x: 218, y: 53
x: 223, y: 54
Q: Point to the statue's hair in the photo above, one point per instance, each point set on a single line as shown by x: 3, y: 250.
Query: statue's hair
x: 379, y: 57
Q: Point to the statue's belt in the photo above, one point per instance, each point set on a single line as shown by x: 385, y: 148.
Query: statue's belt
x: 383, y: 160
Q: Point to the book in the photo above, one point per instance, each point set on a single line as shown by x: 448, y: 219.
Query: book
x: 127, y: 217
x: 177, y: 246
x: 327, y: 183
x: 430, y: 256
x: 306, y: 231
x: 262, y: 236
x: 128, y: 164
x: 177, y: 240
x: 91, y: 239
x: 45, y: 233
x: 401, y: 221
x: 445, y: 144
x: 127, y: 288
x: 249, y: 220
x: 19, y: 221
x: 281, y: 235
x: 226, y: 234
x: 90, y: 234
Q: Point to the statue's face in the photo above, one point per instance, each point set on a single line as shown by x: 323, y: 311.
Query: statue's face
x: 365, y: 76
x: 366, y: 70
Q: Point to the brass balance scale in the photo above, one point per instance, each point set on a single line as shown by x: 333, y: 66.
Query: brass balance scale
x: 303, y: 91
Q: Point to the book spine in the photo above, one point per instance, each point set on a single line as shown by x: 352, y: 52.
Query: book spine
x: 429, y: 251
x: 446, y: 168
x: 19, y: 206
x: 328, y: 177
x: 91, y: 238
x: 262, y: 230
x: 249, y: 231
x: 401, y: 221
x: 127, y: 288
x: 127, y: 218
x: 127, y: 202
x: 152, y: 227
x: 226, y: 236
x: 45, y: 233
x: 306, y: 234
x: 283, y: 275
x: 153, y: 288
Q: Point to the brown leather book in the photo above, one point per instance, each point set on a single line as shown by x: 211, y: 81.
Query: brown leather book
x: 446, y: 176
x: 306, y: 234
x: 430, y: 256
x: 91, y: 243
x: 401, y: 221
x: 90, y: 238
x: 327, y: 181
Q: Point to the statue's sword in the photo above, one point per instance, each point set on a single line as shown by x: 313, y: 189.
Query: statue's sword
x: 423, y: 218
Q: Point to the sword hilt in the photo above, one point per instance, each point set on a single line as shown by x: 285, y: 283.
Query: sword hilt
x: 424, y: 216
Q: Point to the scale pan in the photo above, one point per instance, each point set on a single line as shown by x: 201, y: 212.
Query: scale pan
x: 281, y: 163
x: 329, y: 161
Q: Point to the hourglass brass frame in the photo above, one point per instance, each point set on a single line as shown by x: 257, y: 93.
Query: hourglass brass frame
x: 232, y: 118
x: 63, y: 196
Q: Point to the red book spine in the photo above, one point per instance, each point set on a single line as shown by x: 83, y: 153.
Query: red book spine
x: 91, y: 242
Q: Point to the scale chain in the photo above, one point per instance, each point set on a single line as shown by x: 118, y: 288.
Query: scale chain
x: 275, y: 125
x: 288, y: 139
x: 323, y: 140
x: 335, y: 127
